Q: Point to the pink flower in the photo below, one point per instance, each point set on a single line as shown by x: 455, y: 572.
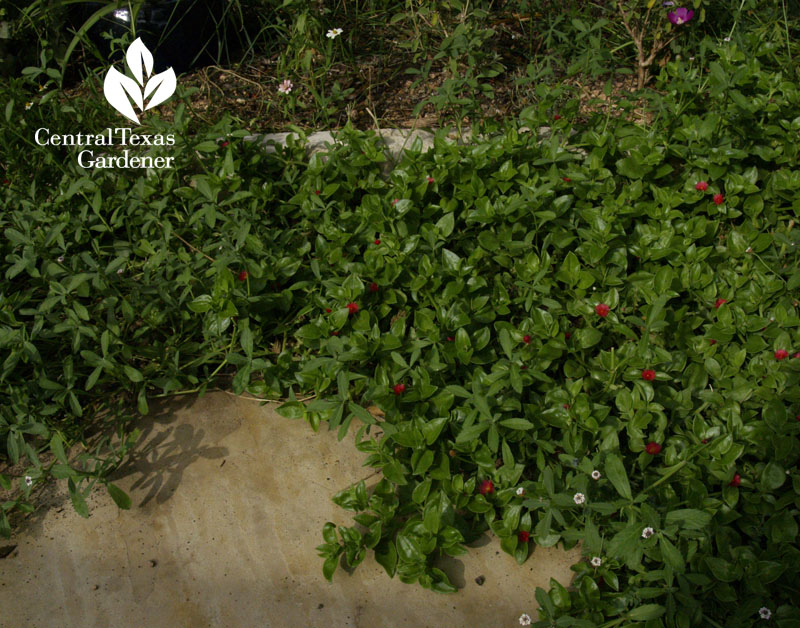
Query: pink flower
x: 701, y: 185
x: 648, y: 374
x: 285, y: 87
x: 781, y: 354
x: 352, y: 307
x: 377, y: 241
x: 718, y: 199
x: 524, y: 536
x: 486, y: 487
x: 373, y: 287
x: 680, y: 16
x: 602, y: 309
x: 736, y: 480
x: 243, y: 275
x: 718, y: 303
x: 526, y: 339
x: 399, y: 389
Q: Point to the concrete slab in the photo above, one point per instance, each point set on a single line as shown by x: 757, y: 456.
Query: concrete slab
x: 229, y: 500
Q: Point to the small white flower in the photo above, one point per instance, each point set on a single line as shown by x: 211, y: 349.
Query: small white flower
x: 334, y: 33
x: 691, y: 58
x: 60, y: 259
x: 749, y: 249
x: 28, y: 480
x: 597, y: 561
x: 520, y: 491
x: 647, y: 533
x: 579, y: 498
x: 120, y: 271
x: 726, y: 39
x: 595, y: 475
x: 285, y: 87
x: 772, y: 319
x: 28, y: 105
x: 764, y: 612
x: 525, y: 619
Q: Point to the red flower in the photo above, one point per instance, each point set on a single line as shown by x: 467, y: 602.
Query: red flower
x: 567, y: 335
x: 602, y: 309
x: 450, y: 339
x: 652, y: 448
x: 377, y: 241
x: 719, y: 199
x: 430, y: 179
x: 373, y: 287
x: 486, y: 487
x: 718, y: 303
x: 781, y: 354
x: 243, y: 275
x: 316, y: 192
x: 797, y: 418
x: 567, y: 179
x: 796, y: 355
x: 399, y: 389
x: 526, y: 339
x: 556, y: 117
x: 524, y: 536
x: 334, y: 333
x: 394, y: 202
x: 704, y: 441
x: 224, y: 144
x: 328, y: 310
x: 648, y: 374
x: 711, y: 341
x: 524, y: 367
x: 736, y: 481
x: 353, y: 307
x: 566, y: 406
x: 701, y: 185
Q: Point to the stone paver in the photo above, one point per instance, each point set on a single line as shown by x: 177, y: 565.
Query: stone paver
x: 229, y: 499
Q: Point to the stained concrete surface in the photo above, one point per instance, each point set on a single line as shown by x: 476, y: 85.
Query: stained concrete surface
x: 229, y: 499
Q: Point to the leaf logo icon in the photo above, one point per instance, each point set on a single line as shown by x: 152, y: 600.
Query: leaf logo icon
x: 120, y: 90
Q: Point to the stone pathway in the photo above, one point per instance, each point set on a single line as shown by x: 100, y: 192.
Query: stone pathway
x: 229, y: 500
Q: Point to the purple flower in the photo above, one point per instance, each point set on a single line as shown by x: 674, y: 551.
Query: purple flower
x: 680, y: 16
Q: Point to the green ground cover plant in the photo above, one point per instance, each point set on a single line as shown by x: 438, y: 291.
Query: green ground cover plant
x: 592, y: 337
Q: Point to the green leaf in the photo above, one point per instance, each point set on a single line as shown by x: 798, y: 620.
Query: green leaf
x: 133, y: 374
x: 386, y: 556
x: 57, y: 447
x: 672, y: 557
x: 329, y: 566
x: 772, y: 477
x: 689, y: 517
x: 292, y: 410
x: 615, y: 471
x: 120, y: 497
x: 517, y: 424
x: 646, y: 611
